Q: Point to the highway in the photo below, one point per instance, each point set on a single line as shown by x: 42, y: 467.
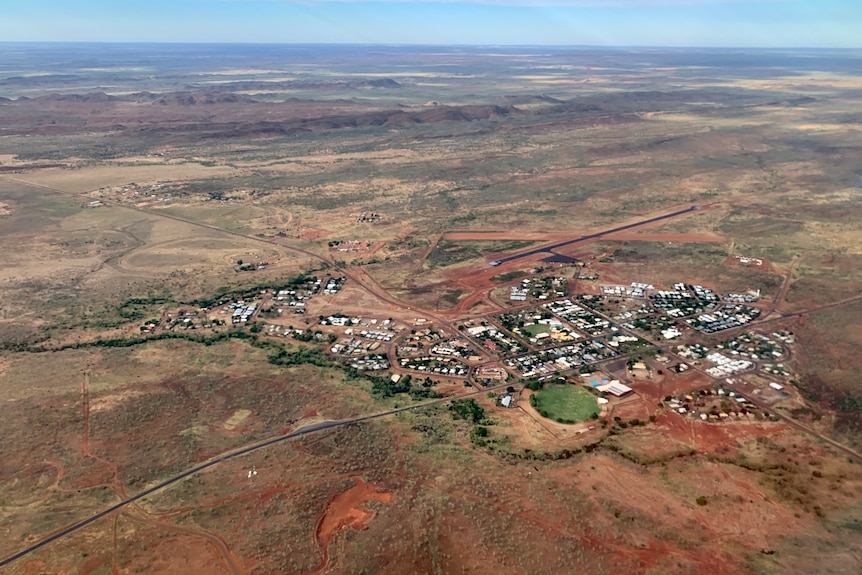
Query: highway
x: 562, y: 244
x: 763, y: 406
x: 168, y: 482
x: 306, y: 430
x: 358, y: 276
x: 367, y: 283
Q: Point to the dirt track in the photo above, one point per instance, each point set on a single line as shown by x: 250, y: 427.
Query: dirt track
x: 479, y: 277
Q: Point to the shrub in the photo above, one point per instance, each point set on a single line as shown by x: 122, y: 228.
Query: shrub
x: 467, y: 409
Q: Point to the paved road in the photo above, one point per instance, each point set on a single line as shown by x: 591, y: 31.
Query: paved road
x: 168, y: 482
x: 763, y: 406
x: 308, y: 429
x: 558, y: 245
x: 359, y: 276
x: 378, y: 292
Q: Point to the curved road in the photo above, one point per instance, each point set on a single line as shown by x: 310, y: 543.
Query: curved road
x: 766, y: 408
x: 368, y: 284
x: 379, y: 293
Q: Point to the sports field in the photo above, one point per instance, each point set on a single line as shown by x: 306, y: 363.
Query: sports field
x: 566, y: 403
x: 537, y: 329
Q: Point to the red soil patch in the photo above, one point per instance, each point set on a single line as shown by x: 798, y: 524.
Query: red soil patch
x: 34, y: 566
x: 634, y: 408
x: 506, y: 235
x: 313, y: 234
x: 711, y: 437
x: 670, y: 383
x: 345, y: 509
x: 557, y: 237
x: 92, y: 563
x: 193, y: 554
x: 764, y: 265
x: 753, y: 524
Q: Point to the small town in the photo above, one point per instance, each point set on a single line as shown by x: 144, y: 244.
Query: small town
x: 614, y: 341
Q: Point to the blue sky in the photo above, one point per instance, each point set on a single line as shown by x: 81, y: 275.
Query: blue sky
x: 733, y: 23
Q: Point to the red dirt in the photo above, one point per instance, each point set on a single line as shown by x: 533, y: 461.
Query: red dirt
x: 194, y: 554
x: 670, y: 383
x: 753, y: 526
x: 478, y: 277
x: 34, y: 566
x: 633, y: 407
x: 557, y: 237
x: 708, y: 437
x: 313, y: 234
x: 765, y: 265
x: 675, y: 238
x: 345, y: 510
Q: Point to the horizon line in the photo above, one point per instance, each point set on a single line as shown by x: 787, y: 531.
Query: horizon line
x: 419, y: 45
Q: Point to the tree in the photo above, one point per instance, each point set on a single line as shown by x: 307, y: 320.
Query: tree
x: 467, y: 409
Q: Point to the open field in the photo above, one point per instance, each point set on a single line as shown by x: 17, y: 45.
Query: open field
x: 566, y: 403
x: 171, y: 224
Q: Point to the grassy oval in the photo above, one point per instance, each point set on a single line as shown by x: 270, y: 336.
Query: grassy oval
x: 566, y: 403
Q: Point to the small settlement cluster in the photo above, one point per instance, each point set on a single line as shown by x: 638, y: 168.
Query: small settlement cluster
x: 545, y: 336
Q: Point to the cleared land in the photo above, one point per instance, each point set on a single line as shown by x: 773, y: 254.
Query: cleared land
x: 125, y: 213
x: 566, y: 403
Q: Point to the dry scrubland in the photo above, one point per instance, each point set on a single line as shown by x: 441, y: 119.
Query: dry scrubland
x: 533, y: 146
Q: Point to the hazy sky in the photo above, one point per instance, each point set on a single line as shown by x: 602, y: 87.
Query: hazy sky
x: 740, y: 23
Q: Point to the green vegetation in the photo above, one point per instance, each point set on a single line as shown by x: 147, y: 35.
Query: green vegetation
x: 227, y: 293
x: 301, y: 356
x: 383, y: 387
x: 468, y: 410
x: 646, y: 251
x: 473, y: 413
x: 447, y: 253
x: 565, y: 403
x: 509, y: 276
x: 537, y: 328
x: 135, y: 309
